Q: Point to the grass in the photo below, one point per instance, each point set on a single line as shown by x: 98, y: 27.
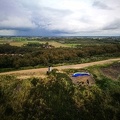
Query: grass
x: 14, y: 43
x: 71, y: 45
x: 57, y: 44
x: 23, y: 42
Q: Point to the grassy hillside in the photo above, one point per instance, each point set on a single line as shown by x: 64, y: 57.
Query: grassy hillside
x: 57, y: 98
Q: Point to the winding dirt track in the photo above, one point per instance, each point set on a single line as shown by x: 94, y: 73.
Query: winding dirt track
x: 41, y: 72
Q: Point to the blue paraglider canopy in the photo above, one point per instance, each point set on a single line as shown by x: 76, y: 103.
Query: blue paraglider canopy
x: 80, y: 74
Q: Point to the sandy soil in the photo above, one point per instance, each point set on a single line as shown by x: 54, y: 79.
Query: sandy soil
x: 41, y: 72
x: 112, y: 71
x: 82, y: 80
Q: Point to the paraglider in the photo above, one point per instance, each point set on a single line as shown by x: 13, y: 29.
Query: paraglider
x: 77, y: 74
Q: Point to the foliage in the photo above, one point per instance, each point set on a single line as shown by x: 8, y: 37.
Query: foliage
x: 26, y: 56
x: 57, y: 98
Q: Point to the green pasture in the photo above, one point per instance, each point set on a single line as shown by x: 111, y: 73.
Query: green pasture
x: 23, y: 42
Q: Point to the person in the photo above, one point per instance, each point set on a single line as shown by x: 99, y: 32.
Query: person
x: 87, y: 81
x: 49, y: 69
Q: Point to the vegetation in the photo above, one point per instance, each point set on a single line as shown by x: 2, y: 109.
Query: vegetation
x: 61, y: 41
x: 45, y: 54
x: 57, y: 98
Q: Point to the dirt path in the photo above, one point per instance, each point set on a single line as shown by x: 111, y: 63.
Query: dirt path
x: 41, y: 72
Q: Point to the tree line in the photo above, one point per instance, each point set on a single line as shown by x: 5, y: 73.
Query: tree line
x: 16, y: 57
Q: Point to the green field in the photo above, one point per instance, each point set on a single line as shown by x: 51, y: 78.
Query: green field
x: 21, y: 43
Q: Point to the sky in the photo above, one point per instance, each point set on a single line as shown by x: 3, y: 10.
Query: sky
x: 60, y: 17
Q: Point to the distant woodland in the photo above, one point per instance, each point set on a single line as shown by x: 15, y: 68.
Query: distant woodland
x: 33, y: 55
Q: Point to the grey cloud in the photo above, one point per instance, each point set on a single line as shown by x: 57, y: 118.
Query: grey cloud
x: 31, y: 17
x: 86, y: 19
x: 17, y: 24
x: 44, y: 17
x: 59, y: 11
x: 13, y: 16
x: 15, y: 28
x: 49, y: 12
x: 10, y: 8
x: 41, y: 32
x: 101, y: 5
x: 113, y: 25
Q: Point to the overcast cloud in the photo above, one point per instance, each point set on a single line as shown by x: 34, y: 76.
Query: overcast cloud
x: 59, y: 17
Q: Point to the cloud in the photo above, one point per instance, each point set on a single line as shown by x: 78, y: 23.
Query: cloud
x: 60, y: 17
x: 100, y: 5
x: 113, y: 25
x: 7, y: 32
x: 14, y: 16
x: 17, y: 23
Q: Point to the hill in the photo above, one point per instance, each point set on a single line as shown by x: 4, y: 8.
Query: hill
x: 57, y: 97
